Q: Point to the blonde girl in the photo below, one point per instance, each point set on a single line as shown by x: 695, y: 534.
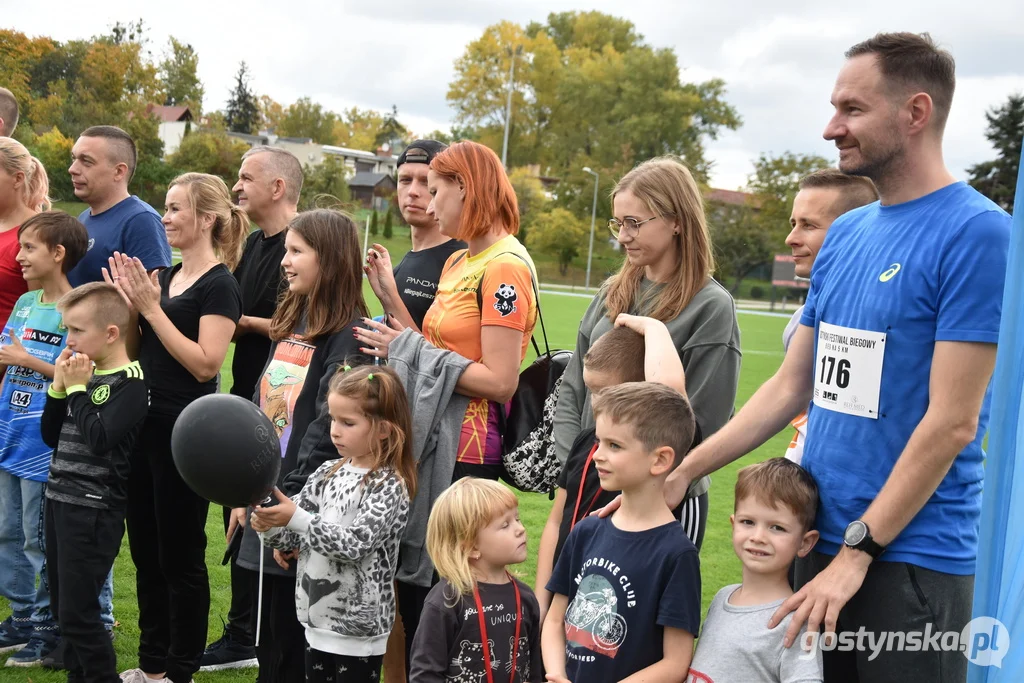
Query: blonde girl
x: 479, y: 623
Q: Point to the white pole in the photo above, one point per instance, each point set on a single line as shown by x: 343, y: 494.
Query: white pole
x: 366, y: 237
x: 508, y: 105
x: 593, y: 220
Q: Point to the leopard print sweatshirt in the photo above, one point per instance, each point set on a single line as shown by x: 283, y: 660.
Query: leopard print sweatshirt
x: 347, y: 527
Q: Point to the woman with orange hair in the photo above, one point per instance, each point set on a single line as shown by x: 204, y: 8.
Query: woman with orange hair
x: 485, y: 308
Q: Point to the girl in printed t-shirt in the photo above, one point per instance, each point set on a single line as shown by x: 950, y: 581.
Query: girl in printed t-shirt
x: 485, y: 308
x: 347, y: 522
x: 479, y: 623
x: 311, y: 337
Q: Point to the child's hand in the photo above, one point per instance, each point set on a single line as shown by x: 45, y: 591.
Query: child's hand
x: 58, y: 370
x: 14, y: 353
x: 77, y: 370
x: 264, y: 519
x: 282, y: 557
x: 637, y: 323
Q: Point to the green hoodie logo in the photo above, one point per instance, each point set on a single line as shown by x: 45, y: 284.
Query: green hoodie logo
x: 100, y: 394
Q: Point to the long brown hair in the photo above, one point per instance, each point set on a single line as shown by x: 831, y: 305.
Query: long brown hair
x: 382, y: 398
x: 665, y: 185
x: 490, y: 196
x: 337, y: 294
x: 209, y: 196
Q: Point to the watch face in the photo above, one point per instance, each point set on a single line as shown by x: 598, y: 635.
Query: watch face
x: 855, y: 533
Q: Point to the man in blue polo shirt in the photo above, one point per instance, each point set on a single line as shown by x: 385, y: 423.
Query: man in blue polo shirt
x: 103, y: 162
x: 896, y: 347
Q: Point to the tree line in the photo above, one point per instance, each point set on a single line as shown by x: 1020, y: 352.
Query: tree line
x: 587, y: 91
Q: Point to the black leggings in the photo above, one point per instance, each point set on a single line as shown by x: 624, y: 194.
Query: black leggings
x: 167, y: 532
x: 324, y: 667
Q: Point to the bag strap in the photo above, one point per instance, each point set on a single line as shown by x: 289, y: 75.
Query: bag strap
x: 536, y: 297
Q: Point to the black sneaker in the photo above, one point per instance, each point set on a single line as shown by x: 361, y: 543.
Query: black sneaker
x: 55, y: 659
x: 226, y: 653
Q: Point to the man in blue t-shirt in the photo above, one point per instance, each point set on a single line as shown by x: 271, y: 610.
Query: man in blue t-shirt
x: 896, y: 347
x: 103, y: 161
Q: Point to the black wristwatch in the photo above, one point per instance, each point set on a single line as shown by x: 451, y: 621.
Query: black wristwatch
x: 858, y: 537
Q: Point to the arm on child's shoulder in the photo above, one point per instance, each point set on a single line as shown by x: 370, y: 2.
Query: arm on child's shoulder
x: 432, y: 645
x: 105, y: 424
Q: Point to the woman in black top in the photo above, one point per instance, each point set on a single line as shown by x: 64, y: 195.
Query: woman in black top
x: 187, y: 316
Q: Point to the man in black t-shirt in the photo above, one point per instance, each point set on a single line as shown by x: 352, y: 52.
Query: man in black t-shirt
x: 268, y: 187
x: 408, y: 291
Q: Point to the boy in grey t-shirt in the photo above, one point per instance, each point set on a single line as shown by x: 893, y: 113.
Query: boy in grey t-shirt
x: 776, y: 502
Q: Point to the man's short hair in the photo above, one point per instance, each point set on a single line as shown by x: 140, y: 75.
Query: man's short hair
x: 56, y: 228
x: 659, y: 415
x: 109, y: 307
x: 284, y: 165
x: 619, y: 352
x: 854, y: 191
x: 778, y: 481
x: 122, y: 147
x: 911, y: 63
x: 8, y: 112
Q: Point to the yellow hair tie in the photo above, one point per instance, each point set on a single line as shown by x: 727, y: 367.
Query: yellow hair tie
x: 346, y: 368
x: 369, y: 377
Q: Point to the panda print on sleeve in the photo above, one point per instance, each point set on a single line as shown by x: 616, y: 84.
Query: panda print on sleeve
x: 507, y: 294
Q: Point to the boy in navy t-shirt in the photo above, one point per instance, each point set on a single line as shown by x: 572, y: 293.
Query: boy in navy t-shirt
x: 627, y: 587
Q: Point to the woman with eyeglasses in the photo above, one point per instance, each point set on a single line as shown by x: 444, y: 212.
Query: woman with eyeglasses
x: 660, y: 223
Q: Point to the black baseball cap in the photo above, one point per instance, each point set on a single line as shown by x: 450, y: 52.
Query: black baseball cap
x: 421, y: 152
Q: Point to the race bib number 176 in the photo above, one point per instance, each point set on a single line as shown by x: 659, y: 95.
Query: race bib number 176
x: 848, y: 370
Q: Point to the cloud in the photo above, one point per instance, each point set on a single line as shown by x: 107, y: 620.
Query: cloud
x: 779, y: 59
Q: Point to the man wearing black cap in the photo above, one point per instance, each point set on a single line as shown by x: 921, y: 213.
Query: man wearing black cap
x: 408, y: 291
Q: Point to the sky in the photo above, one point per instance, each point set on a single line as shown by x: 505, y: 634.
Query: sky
x: 779, y: 59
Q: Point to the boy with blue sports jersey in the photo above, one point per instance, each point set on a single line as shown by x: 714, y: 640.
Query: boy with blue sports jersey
x: 896, y: 347
x: 50, y: 243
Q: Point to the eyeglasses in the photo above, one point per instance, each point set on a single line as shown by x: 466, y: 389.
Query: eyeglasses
x: 631, y: 225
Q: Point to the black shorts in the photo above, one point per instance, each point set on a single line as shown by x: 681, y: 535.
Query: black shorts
x: 897, y: 598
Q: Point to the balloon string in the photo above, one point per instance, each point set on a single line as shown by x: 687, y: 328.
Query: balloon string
x: 259, y: 598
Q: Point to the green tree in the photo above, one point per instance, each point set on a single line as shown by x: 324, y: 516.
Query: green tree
x: 325, y: 184
x: 391, y: 131
x: 53, y: 149
x: 179, y: 73
x: 373, y: 224
x: 388, y: 231
x: 587, y: 91
x: 530, y: 196
x: 307, y: 119
x: 210, y: 152
x: 557, y: 233
x: 243, y: 110
x: 271, y: 112
x: 997, y: 179
x: 748, y: 235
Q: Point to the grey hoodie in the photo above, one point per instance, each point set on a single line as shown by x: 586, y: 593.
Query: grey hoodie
x: 429, y: 376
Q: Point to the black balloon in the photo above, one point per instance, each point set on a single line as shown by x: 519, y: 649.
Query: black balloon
x: 226, y: 450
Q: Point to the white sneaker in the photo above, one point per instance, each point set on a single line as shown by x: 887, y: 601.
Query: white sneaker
x: 139, y: 676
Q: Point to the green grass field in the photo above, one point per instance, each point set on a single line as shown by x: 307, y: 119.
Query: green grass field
x: 762, y: 353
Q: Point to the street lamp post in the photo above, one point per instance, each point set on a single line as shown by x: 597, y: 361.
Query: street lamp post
x: 593, y: 220
x: 508, y: 105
